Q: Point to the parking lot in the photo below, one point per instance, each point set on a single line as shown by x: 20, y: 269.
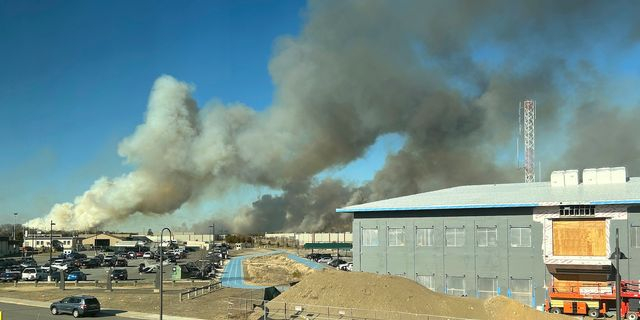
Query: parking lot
x: 100, y: 273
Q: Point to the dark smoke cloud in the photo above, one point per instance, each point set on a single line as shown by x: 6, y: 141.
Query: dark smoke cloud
x: 447, y: 75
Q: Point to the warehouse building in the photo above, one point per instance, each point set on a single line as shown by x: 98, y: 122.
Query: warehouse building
x: 509, y: 239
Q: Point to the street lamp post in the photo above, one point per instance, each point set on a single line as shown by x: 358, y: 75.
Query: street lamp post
x: 51, y: 248
x: 617, y: 255
x: 15, y: 215
x: 161, y: 269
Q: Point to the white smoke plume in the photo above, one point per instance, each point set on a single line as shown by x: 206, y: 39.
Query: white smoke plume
x: 362, y: 69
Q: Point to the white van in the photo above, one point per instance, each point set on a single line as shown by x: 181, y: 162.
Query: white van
x: 33, y: 274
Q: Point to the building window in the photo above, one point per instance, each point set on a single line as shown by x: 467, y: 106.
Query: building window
x: 370, y: 237
x: 487, y: 287
x: 426, y: 281
x: 396, y: 237
x: 454, y: 237
x: 578, y: 211
x: 635, y: 236
x: 521, y: 237
x: 521, y: 291
x: 487, y: 236
x: 456, y: 286
x: 424, y: 237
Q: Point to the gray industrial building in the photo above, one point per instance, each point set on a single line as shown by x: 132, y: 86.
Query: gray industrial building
x: 509, y: 239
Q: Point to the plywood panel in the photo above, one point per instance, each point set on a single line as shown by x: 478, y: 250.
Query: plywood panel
x: 581, y: 283
x: 579, y: 238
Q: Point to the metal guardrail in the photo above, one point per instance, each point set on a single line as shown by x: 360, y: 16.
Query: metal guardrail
x: 200, y: 291
x: 254, y: 309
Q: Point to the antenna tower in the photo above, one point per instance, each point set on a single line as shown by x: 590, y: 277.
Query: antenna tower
x: 527, y: 121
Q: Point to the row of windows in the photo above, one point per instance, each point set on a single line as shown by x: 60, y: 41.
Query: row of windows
x: 42, y: 242
x: 487, y: 287
x: 454, y: 237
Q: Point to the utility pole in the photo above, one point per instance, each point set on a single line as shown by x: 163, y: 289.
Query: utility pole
x: 161, y: 269
x: 15, y: 215
x: 51, y: 248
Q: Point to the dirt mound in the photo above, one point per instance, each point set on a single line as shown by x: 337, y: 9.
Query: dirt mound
x: 273, y: 270
x: 503, y: 308
x: 385, y: 293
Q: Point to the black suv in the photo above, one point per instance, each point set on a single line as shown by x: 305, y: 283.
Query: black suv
x: 78, y: 306
x: 119, y: 274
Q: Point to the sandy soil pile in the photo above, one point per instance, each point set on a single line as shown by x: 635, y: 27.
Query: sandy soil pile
x: 273, y: 270
x: 362, y: 290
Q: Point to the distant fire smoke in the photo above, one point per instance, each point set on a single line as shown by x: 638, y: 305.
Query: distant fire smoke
x: 445, y: 74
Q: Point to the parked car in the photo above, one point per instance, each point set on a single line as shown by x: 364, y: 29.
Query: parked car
x: 59, y: 264
x: 77, y: 276
x: 139, y: 254
x: 335, y: 262
x: 78, y: 306
x: 324, y: 260
x: 32, y: 274
x: 150, y: 269
x: 90, y: 263
x: 313, y: 256
x: 345, y: 266
x: 119, y: 274
x: 108, y: 262
x: 148, y: 255
x: 10, y: 276
x: 121, y: 263
x: 28, y: 263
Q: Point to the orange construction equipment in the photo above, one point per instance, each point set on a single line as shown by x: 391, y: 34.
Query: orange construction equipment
x: 595, y: 298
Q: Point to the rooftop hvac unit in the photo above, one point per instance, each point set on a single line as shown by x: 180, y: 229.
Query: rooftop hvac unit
x: 589, y: 176
x: 603, y: 175
x: 557, y: 179
x: 618, y: 175
x: 571, y: 178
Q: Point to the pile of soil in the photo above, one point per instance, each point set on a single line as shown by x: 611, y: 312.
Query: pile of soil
x: 271, y: 270
x: 368, y: 291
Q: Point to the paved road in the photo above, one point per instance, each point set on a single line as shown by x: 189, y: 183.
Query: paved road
x: 233, y: 276
x: 20, y: 312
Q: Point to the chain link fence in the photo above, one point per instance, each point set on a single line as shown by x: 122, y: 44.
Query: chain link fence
x: 246, y: 308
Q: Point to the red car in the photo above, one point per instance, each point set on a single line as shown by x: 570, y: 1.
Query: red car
x: 139, y: 254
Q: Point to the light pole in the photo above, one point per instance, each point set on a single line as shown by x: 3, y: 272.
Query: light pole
x: 161, y: 271
x: 15, y: 215
x: 51, y: 248
x: 617, y: 255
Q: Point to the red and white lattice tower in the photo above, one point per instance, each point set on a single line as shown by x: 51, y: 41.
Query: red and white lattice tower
x: 528, y: 133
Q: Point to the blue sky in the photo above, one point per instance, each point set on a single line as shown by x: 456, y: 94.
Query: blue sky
x: 75, y: 78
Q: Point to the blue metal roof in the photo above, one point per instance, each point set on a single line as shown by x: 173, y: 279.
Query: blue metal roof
x: 537, y: 194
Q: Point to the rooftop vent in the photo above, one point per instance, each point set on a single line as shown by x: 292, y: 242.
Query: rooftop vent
x: 604, y: 175
x: 564, y: 178
x: 591, y: 176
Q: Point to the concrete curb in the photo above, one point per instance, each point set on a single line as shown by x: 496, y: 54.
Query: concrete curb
x: 125, y: 314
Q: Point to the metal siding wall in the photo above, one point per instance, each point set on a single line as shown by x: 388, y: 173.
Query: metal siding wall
x: 469, y: 261
x: 429, y: 260
x: 624, y: 226
x: 460, y: 261
x: 372, y: 259
x: 633, y: 263
x: 399, y: 258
